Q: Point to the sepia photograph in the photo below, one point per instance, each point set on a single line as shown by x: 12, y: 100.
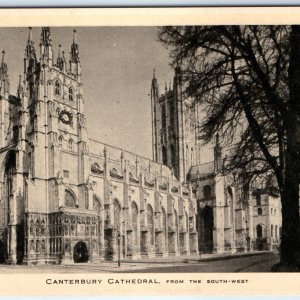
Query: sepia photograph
x: 162, y: 149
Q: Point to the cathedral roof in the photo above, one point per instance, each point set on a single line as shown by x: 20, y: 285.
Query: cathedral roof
x: 201, y: 170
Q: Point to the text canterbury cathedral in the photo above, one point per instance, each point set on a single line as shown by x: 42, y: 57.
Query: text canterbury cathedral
x: 66, y: 197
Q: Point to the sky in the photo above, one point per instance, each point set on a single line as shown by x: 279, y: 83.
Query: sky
x: 117, y: 68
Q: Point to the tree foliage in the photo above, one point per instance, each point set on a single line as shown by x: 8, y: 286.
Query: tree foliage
x: 246, y: 80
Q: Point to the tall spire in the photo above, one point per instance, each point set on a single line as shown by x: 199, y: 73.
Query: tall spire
x: 3, y: 54
x: 75, y: 68
x: 74, y: 36
x: 3, y: 67
x: 217, y: 154
x: 20, y: 87
x: 60, y: 60
x: 74, y: 48
x: 29, y: 34
x: 46, y: 47
x: 45, y: 36
x: 29, y: 50
x: 4, y: 81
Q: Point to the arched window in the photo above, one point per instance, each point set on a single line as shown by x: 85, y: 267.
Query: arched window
x: 70, y: 200
x: 10, y: 168
x: 163, y: 116
x: 172, y: 113
x: 70, y: 144
x: 259, y: 211
x: 60, y: 141
x: 187, y: 156
x: 134, y: 215
x: 276, y: 231
x: 258, y: 199
x: 117, y: 215
x: 96, y: 204
x: 150, y: 223
x: 259, y: 231
x: 57, y: 89
x: 192, y: 156
x: 164, y: 155
x: 70, y: 93
x: 272, y: 230
x: 173, y: 156
x: 207, y: 191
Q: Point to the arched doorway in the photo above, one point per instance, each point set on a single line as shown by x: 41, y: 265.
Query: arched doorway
x: 3, y: 255
x: 206, y: 229
x: 80, y: 253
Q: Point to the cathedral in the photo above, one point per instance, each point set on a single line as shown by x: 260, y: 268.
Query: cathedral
x: 68, y: 198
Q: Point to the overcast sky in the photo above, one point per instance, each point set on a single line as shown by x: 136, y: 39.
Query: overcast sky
x: 117, y: 67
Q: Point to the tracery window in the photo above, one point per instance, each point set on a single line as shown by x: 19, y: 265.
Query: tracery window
x: 69, y: 199
x: 150, y: 222
x: 70, y: 94
x: 57, y: 88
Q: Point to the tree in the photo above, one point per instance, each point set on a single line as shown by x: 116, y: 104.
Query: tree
x: 247, y: 80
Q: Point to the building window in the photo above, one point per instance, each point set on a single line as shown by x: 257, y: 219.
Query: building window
x: 164, y: 155
x: 70, y: 144
x: 272, y: 230
x: 259, y: 231
x: 66, y: 173
x: 60, y: 141
x: 259, y: 211
x: 163, y: 116
x: 57, y: 88
x: 70, y: 94
x: 276, y: 231
x: 207, y: 191
x: 70, y: 200
x: 271, y: 211
x: 258, y: 199
x: 275, y: 212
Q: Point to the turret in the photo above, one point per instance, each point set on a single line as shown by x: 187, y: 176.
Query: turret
x: 61, y: 61
x: 46, y: 47
x: 20, y: 88
x: 4, y: 81
x: 217, y: 155
x: 154, y: 101
x: 75, y: 68
x: 177, y: 77
x: 30, y: 55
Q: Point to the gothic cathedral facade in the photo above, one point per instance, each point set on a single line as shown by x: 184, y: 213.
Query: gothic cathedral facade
x: 68, y: 198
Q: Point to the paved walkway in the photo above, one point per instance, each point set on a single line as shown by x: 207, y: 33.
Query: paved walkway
x: 185, y: 263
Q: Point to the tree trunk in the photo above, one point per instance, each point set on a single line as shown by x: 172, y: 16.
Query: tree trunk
x: 290, y: 239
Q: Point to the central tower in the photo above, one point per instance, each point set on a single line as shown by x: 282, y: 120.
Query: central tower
x: 173, y: 127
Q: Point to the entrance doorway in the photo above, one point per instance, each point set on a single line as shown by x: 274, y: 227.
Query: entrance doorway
x: 81, y: 254
x: 206, y: 229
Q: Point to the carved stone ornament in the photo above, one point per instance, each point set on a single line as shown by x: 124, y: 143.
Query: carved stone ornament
x: 115, y: 174
x: 163, y: 186
x: 133, y: 179
x: 59, y: 178
x: 89, y: 184
x: 148, y: 183
x: 174, y: 189
x: 96, y: 168
x: 65, y: 117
